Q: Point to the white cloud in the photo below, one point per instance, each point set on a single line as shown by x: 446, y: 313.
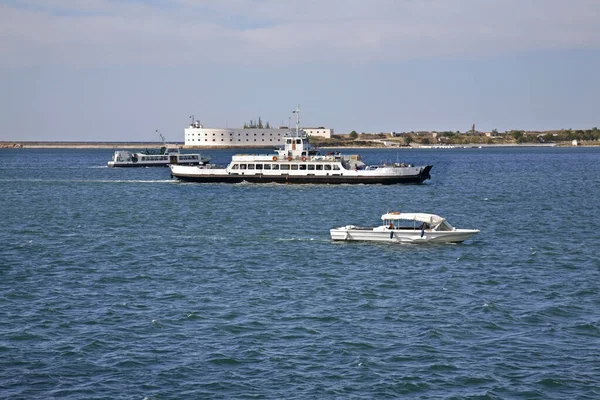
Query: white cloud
x: 101, y: 32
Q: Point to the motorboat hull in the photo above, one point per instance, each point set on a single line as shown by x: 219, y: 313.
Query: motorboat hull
x: 401, y: 235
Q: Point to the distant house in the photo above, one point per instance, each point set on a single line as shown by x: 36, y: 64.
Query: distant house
x: 320, y: 131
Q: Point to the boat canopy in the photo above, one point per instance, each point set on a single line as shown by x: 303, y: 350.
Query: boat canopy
x: 431, y: 219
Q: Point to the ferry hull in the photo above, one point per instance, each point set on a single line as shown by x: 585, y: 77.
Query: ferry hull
x: 304, y: 179
x: 113, y: 164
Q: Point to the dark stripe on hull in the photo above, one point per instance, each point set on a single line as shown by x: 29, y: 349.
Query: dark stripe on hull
x: 310, y: 179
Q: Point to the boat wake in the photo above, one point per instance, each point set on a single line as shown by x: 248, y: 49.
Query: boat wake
x: 170, y: 181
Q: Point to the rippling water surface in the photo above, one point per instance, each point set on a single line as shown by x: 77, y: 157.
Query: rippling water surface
x: 121, y: 283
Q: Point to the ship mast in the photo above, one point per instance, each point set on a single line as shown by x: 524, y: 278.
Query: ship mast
x: 297, y: 112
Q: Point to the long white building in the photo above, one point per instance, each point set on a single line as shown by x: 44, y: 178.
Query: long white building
x: 198, y: 136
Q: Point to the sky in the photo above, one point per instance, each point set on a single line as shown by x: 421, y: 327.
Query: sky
x: 118, y: 70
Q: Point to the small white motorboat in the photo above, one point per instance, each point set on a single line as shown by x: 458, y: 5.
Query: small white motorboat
x: 406, y: 228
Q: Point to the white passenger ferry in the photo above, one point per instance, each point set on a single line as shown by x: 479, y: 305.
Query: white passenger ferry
x: 298, y: 162
x: 168, y: 154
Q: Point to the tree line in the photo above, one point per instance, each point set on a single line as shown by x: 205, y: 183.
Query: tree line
x: 257, y: 125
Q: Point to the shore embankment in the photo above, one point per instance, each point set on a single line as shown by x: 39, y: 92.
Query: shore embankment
x: 154, y: 145
x: 79, y: 145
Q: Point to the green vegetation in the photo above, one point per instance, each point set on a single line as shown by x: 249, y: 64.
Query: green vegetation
x: 515, y: 136
x: 257, y: 125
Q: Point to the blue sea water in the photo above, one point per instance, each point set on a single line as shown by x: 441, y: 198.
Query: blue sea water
x: 123, y: 283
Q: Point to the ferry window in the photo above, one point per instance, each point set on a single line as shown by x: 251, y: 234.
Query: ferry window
x: 303, y: 167
x: 336, y: 167
x: 235, y: 166
x: 289, y: 141
x: 250, y: 166
x: 294, y: 167
x: 298, y: 141
x: 267, y: 166
x: 327, y: 167
x: 242, y: 166
x: 319, y: 167
x: 311, y: 167
x: 259, y: 166
x: 275, y: 166
x: 285, y: 166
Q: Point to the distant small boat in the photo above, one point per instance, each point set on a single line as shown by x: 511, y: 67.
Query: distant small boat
x: 406, y: 228
x: 168, y: 154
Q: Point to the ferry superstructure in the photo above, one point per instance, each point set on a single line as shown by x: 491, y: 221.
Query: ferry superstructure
x: 299, y: 162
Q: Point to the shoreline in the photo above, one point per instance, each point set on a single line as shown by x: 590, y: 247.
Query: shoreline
x: 154, y: 145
